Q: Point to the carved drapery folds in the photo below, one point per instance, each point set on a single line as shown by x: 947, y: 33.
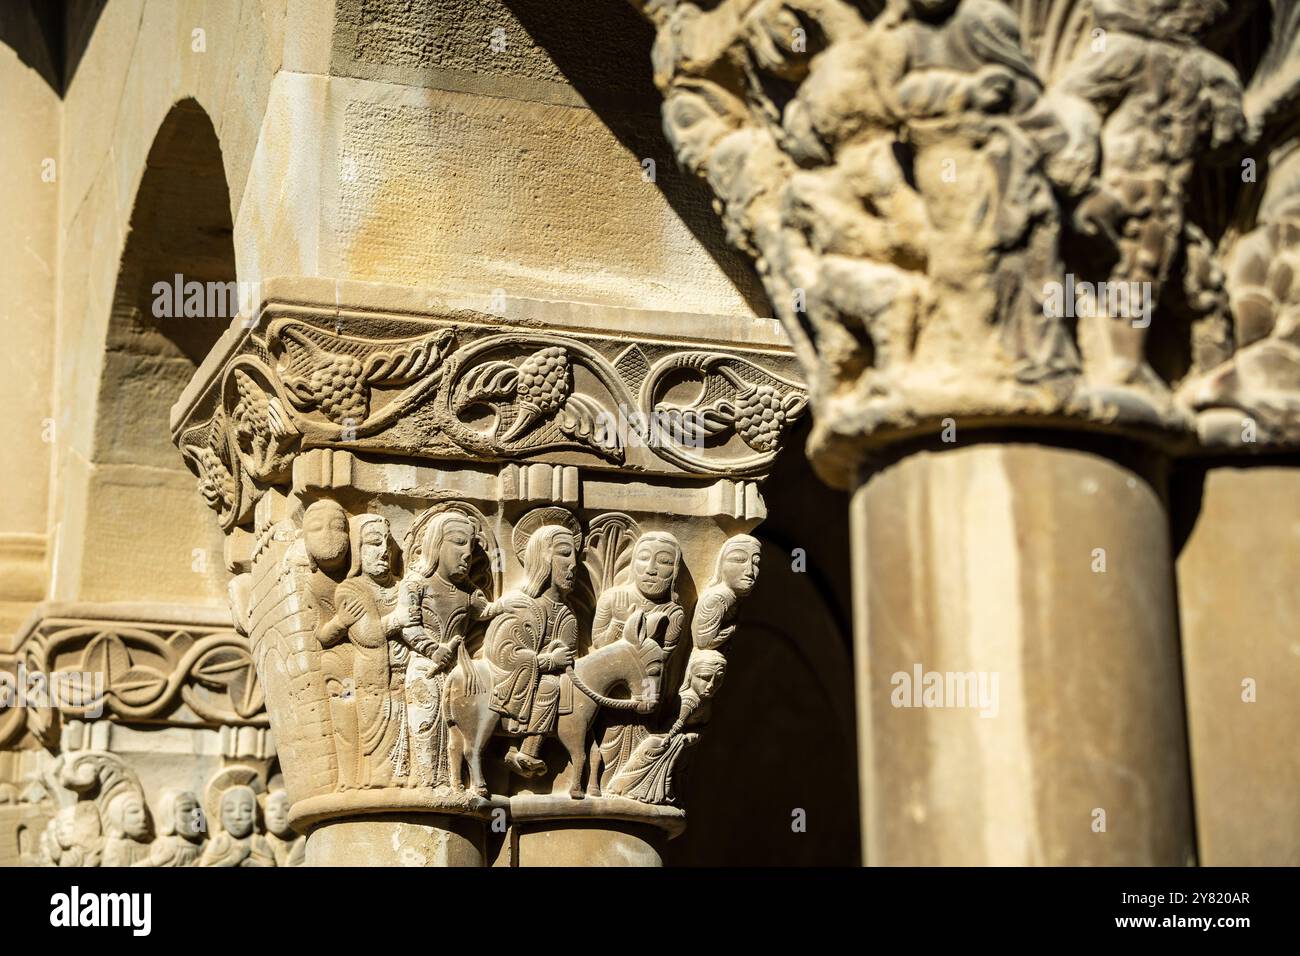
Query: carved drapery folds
x: 1061, y: 211
x: 472, y: 561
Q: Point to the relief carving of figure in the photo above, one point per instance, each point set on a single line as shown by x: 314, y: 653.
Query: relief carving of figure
x: 109, y: 825
x: 734, y: 576
x: 533, y: 644
x: 369, y: 718
x: 647, y: 774
x: 127, y: 832
x: 287, y: 847
x: 235, y: 840
x: 656, y: 559
x: 73, y: 838
x: 1163, y: 103
x: 327, y: 547
x: 181, y: 825
x: 527, y: 682
x: 437, y: 584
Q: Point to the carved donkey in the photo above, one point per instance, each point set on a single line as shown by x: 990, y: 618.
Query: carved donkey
x: 636, y: 661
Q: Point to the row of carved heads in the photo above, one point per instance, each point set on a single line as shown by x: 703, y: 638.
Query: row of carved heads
x: 237, y: 823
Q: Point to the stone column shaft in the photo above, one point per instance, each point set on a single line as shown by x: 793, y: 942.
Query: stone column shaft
x: 1034, y: 584
x: 1239, y: 604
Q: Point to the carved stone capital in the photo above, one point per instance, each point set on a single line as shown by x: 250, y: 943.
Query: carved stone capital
x: 487, y: 566
x: 977, y: 214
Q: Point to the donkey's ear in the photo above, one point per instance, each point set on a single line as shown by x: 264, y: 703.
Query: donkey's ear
x: 634, y: 626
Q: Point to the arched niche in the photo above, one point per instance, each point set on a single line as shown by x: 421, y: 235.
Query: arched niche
x: 147, y: 535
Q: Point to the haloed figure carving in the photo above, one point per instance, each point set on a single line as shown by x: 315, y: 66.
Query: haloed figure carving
x: 437, y: 584
x: 656, y: 558
x: 527, y: 681
x: 181, y: 825
x: 236, y: 843
x: 647, y: 775
x: 534, y: 646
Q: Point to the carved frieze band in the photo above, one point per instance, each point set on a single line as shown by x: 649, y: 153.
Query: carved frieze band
x: 1069, y: 211
x: 69, y: 668
x: 456, y: 387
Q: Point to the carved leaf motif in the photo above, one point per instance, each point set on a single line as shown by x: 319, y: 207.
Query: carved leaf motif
x: 609, y: 549
x: 580, y: 419
x: 216, y: 484
x: 486, y: 383
x: 693, y: 425
x: 535, y: 390
x: 334, y: 374
x: 758, y: 412
x: 129, y: 682
x: 231, y: 669
x: 106, y: 654
x: 397, y: 366
x: 139, y: 686
x: 263, y: 431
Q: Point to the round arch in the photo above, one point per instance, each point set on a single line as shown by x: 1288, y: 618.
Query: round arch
x: 144, y: 536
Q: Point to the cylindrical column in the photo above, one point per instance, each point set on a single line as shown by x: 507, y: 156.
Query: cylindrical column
x: 1019, y: 685
x: 399, y: 840
x: 1238, y: 597
x: 581, y: 843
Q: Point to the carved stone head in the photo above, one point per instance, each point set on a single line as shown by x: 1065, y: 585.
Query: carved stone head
x: 447, y: 547
x: 277, y: 814
x: 704, y: 673
x: 325, y: 534
x: 372, y: 546
x: 179, y: 814
x: 239, y: 811
x: 77, y: 825
x: 127, y: 816
x: 656, y: 558
x: 737, y: 566
x: 550, y: 559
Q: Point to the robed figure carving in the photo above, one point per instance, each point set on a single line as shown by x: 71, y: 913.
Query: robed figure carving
x: 656, y: 559
x: 438, y: 584
x: 532, y: 644
x: 369, y: 717
x: 648, y: 773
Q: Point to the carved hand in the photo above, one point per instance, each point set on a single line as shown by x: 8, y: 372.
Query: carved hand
x: 350, y: 611
x: 441, y: 657
x: 556, y: 660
